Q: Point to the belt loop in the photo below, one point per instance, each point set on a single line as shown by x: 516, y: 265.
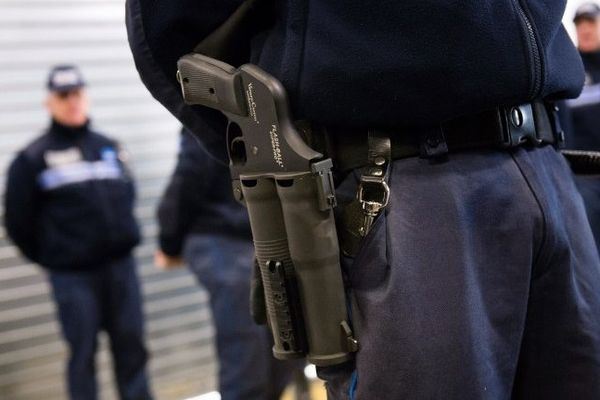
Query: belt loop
x: 433, y: 143
x: 380, y: 154
x: 557, y: 131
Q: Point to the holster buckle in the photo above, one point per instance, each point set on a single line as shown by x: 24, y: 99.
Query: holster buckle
x: 373, y: 195
x: 373, y: 191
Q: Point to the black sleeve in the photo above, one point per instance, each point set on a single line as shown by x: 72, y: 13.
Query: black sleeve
x: 181, y: 204
x: 160, y: 32
x: 21, y: 205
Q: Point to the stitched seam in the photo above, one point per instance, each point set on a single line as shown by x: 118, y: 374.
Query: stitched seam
x: 536, y: 261
x: 544, y: 242
x: 516, y: 383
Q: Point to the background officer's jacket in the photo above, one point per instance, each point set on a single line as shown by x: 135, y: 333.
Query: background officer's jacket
x: 198, y: 200
x: 386, y: 64
x: 69, y: 200
x: 584, y: 112
x: 581, y: 120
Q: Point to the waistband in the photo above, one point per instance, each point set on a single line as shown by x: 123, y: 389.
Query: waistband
x: 534, y: 123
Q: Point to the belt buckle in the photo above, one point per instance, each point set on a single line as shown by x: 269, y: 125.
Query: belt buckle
x: 519, y: 126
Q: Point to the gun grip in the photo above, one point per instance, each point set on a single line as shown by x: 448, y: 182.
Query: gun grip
x: 211, y: 83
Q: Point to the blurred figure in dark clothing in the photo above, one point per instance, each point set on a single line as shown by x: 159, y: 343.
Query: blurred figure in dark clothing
x: 582, y: 115
x: 69, y: 207
x: 201, y: 222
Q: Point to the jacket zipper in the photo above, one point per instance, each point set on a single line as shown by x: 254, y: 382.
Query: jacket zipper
x: 100, y: 193
x: 534, y: 51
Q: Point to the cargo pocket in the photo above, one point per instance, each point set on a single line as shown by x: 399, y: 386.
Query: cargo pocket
x: 365, y: 272
x: 367, y: 269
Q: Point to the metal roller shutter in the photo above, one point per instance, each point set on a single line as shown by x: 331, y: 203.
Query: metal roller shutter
x: 35, y: 34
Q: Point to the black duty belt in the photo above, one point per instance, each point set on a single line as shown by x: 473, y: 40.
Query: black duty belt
x: 371, y: 151
x: 502, y: 127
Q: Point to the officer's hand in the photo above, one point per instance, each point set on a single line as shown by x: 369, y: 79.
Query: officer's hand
x: 163, y: 261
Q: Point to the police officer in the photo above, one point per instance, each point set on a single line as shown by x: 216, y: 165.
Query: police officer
x: 582, y: 115
x: 479, y: 280
x: 69, y: 207
x: 200, y: 220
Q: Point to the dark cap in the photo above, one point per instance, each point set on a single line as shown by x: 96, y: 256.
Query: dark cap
x: 63, y: 78
x: 587, y: 11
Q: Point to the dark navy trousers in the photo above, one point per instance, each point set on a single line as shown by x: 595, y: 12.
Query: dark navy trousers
x: 107, y: 298
x: 481, y: 281
x: 247, y: 369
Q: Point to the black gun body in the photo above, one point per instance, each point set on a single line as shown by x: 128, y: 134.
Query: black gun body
x: 294, y: 234
x: 276, y: 268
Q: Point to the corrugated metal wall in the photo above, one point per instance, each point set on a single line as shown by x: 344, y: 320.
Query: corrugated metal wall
x: 34, y: 34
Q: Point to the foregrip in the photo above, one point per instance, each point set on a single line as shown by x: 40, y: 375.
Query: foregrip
x: 313, y: 247
x: 277, y: 272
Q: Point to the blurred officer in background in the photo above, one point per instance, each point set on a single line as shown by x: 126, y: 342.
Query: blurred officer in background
x: 581, y: 116
x: 479, y: 279
x: 69, y: 207
x: 201, y: 222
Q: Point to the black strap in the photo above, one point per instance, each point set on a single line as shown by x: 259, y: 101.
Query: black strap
x: 583, y: 162
x: 373, y: 191
x: 503, y: 128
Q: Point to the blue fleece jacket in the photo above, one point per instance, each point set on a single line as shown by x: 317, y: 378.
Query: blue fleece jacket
x: 387, y: 64
x: 69, y: 200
